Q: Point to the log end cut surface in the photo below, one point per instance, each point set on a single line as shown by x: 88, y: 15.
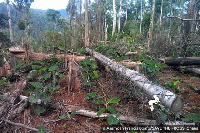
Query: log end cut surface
x: 177, y: 104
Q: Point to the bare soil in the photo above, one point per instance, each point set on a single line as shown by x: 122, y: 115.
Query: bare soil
x: 112, y: 86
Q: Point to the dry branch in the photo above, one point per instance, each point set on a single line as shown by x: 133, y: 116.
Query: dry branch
x: 11, y: 109
x: 130, y: 119
x: 166, y: 97
x: 21, y: 125
x: 123, y: 119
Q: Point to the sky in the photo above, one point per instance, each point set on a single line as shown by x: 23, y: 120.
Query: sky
x: 48, y: 4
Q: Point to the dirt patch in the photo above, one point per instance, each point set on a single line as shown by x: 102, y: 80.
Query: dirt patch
x: 110, y: 85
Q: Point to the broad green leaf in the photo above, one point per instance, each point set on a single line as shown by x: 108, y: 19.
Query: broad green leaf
x: 192, y: 117
x: 98, y: 102
x: 101, y: 110
x: 63, y: 116
x: 176, y: 82
x: 32, y: 73
x: 36, y: 67
x: 117, y: 116
x: 163, y: 116
x: 60, y: 75
x: 112, y: 120
x: 39, y: 110
x: 32, y: 98
x: 45, y: 76
x: 96, y: 74
x: 53, y: 68
x: 111, y: 109
x: 37, y: 85
x: 91, y: 95
x: 113, y: 100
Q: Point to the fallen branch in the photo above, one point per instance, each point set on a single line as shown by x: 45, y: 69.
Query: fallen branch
x: 123, y: 119
x: 21, y: 125
x: 131, y: 120
x: 166, y: 97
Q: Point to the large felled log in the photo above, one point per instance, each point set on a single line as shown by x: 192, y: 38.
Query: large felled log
x: 195, y: 70
x: 20, y: 53
x: 182, y: 61
x: 166, y: 97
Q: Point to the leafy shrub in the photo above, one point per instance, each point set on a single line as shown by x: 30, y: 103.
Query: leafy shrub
x: 90, y: 72
x: 108, y: 106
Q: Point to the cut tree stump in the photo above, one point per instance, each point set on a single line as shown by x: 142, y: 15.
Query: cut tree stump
x: 181, y: 61
x: 132, y: 64
x: 19, y: 52
x: 6, y: 69
x: 166, y: 97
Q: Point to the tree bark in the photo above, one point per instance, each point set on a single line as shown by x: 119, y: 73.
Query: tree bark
x: 195, y: 70
x: 87, y: 40
x: 114, y: 17
x: 166, y: 97
x: 151, y: 25
x: 182, y: 61
x: 65, y: 44
x: 170, y: 22
x: 187, y: 29
x: 20, y: 53
x: 119, y: 20
x: 161, y: 13
x: 10, y: 23
x: 141, y: 18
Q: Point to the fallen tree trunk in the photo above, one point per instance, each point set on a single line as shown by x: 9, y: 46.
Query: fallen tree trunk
x: 182, y: 61
x: 38, y: 56
x: 195, y: 70
x: 166, y: 97
x: 19, y: 52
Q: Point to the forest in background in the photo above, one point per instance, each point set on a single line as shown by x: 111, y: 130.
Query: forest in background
x: 170, y: 27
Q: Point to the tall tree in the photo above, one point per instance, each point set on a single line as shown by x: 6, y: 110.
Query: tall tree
x: 170, y: 22
x: 141, y: 17
x: 114, y: 17
x: 71, y: 11
x: 10, y: 23
x: 187, y: 29
x: 87, y: 40
x: 161, y: 12
x: 53, y: 16
x: 119, y: 19
x: 151, y: 25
